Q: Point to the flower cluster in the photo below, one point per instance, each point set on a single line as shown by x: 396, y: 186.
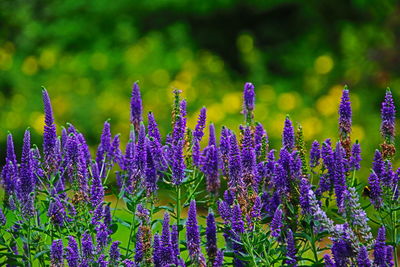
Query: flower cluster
x: 266, y: 207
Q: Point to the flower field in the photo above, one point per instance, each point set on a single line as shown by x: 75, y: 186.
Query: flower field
x: 188, y: 199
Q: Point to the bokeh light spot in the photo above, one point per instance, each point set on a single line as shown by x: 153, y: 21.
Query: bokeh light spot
x: 323, y: 64
x: 245, y: 43
x: 30, y: 65
x: 287, y: 101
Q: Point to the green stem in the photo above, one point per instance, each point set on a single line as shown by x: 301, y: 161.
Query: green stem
x: 314, y: 249
x: 130, y: 234
x: 394, y: 235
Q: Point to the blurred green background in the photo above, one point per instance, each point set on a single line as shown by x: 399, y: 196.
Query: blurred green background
x: 299, y: 54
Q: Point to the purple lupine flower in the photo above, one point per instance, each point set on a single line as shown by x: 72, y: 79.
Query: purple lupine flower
x: 3, y: 219
x: 129, y: 263
x: 87, y: 246
x: 248, y: 158
x: 201, y: 124
x: 192, y: 232
x: 178, y: 164
x: 107, y: 218
x: 345, y: 115
x: 224, y: 149
x: 315, y: 154
x: 288, y: 135
x: 256, y: 209
x: 219, y: 259
x: 82, y: 171
x: 56, y: 253
x: 305, y: 187
x: 156, y: 250
x: 328, y: 261
x: 50, y: 134
x: 362, y: 257
x: 97, y: 214
x: 196, y: 153
x: 175, y: 243
x: 139, y: 160
x: 101, y: 236
x: 10, y: 170
x: 166, y: 251
x: 212, y: 139
x: 210, y: 169
x: 85, y: 147
x: 102, y: 261
x: 224, y: 211
x: 211, y: 235
x: 375, y: 195
x: 237, y: 230
x: 136, y: 106
x: 248, y: 101
x: 388, y: 174
x: 72, y: 253
x: 276, y: 223
x: 139, y: 250
x: 280, y: 179
x: 97, y: 189
x: 235, y: 166
x: 388, y: 115
x: 153, y: 127
x: 355, y: 157
x: 378, y: 165
x: 380, y: 248
x: 150, y: 171
x: 115, y: 255
x: 115, y: 152
x: 26, y: 182
x: 291, y: 250
x: 295, y: 165
x: 179, y: 130
x: 339, y: 176
x: 389, y: 256
x: 259, y: 134
x: 355, y: 214
x: 56, y: 212
x: 182, y: 107
x: 104, y: 147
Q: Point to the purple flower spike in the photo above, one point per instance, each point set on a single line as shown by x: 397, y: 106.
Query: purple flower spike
x: 140, y: 153
x: 378, y: 165
x: 192, y: 233
x: 150, y: 171
x: 211, y: 235
x: 104, y: 147
x: 56, y: 253
x: 115, y: 255
x: 248, y: 158
x: 315, y: 154
x: 26, y: 179
x: 380, y: 248
x: 339, y: 176
x: 345, y: 115
x: 153, y: 127
x: 101, y: 236
x: 97, y: 190
x: 136, y: 106
x: 139, y: 248
x: 259, y: 135
x: 248, y: 101
x: 224, y: 149
x: 388, y: 115
x: 212, y: 140
x: 166, y: 251
x: 237, y: 230
x: 50, y: 134
x: 102, y: 261
x: 291, y: 250
x: 196, y: 153
x: 3, y: 219
x: 175, y: 243
x: 182, y: 108
x: 10, y: 170
x: 328, y: 261
x: 87, y: 246
x: 201, y: 124
x: 288, y: 135
x: 362, y: 258
x: 72, y: 254
x: 235, y: 166
x: 156, y: 250
x: 219, y: 260
x: 276, y: 223
x: 355, y: 158
x: 178, y: 164
x: 210, y: 169
x: 305, y: 187
x: 389, y: 256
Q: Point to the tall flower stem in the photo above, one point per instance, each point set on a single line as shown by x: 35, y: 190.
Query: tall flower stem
x: 130, y: 233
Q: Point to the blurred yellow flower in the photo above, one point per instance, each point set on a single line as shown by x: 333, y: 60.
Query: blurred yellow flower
x: 160, y: 77
x: 357, y: 132
x: 323, y: 64
x: 47, y: 59
x: 287, y: 101
x: 30, y: 65
x: 232, y: 102
x: 245, y: 43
